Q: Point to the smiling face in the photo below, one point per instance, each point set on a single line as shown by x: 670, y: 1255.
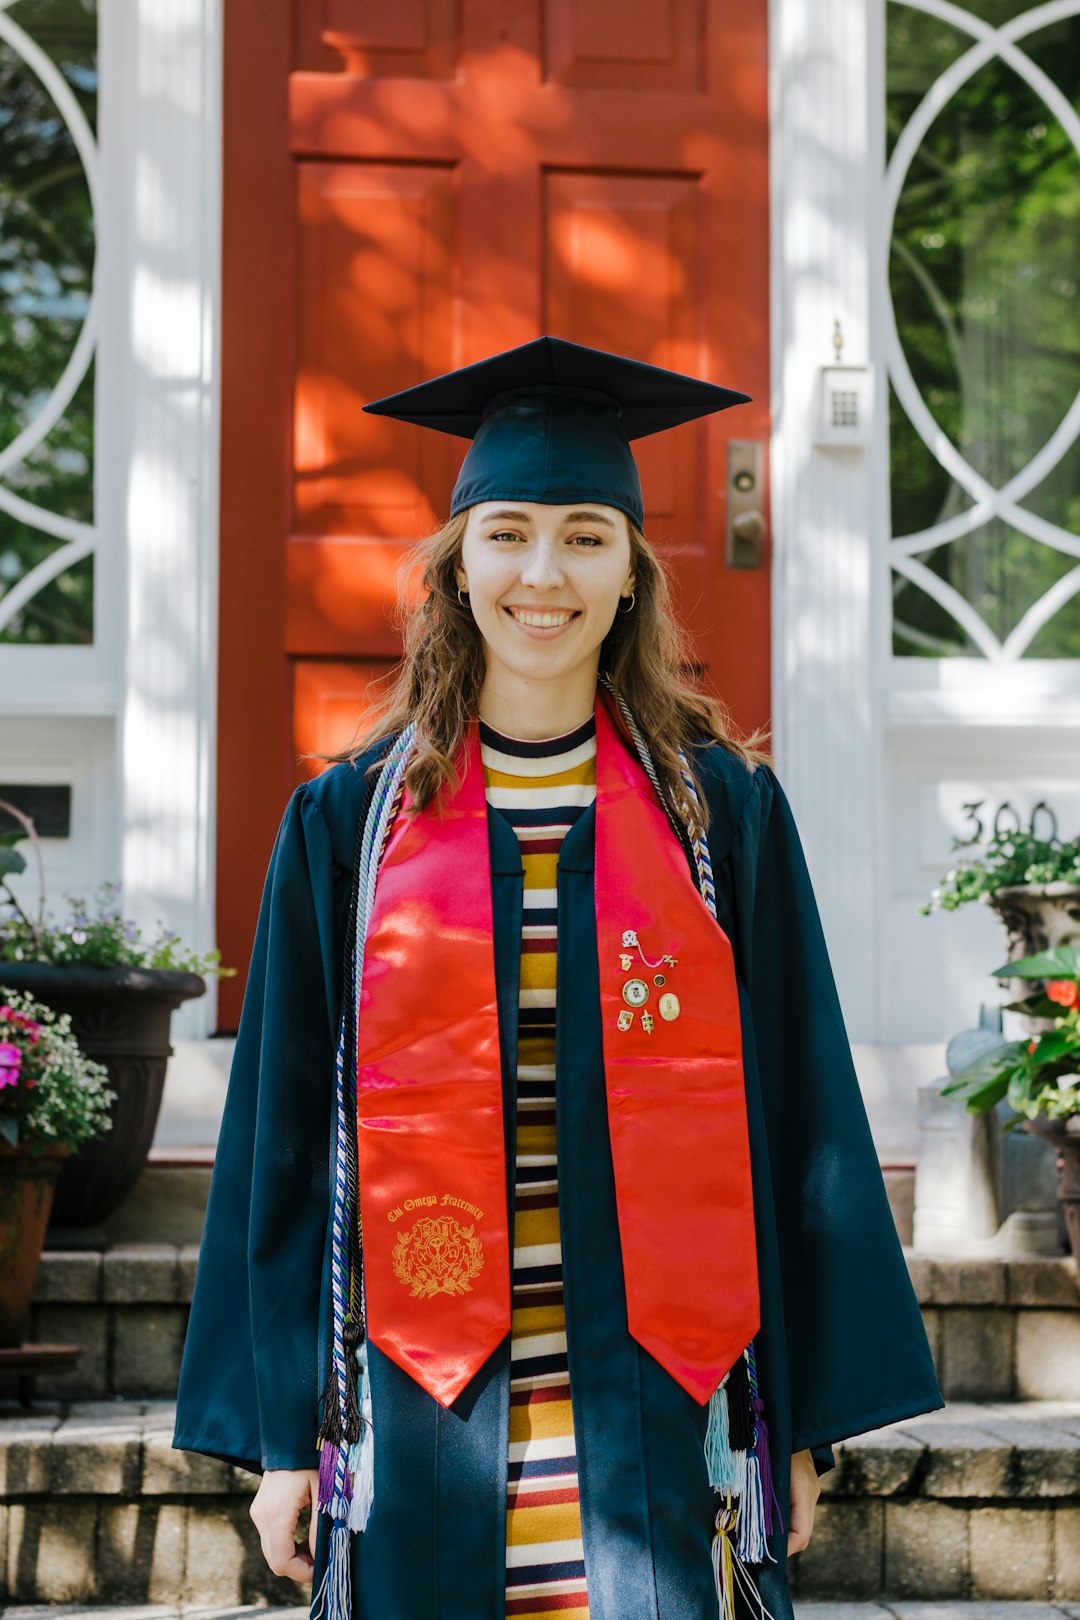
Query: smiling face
x: 544, y: 585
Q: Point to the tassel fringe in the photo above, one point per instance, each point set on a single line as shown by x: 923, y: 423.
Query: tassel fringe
x: 362, y: 1453
x: 728, y: 1569
x: 744, y: 1475
x: 722, y: 1461
x: 334, y: 1596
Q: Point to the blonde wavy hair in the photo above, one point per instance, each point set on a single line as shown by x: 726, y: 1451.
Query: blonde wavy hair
x: 437, y: 684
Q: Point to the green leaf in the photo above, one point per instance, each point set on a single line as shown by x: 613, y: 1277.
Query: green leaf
x: 980, y: 1095
x: 11, y: 861
x: 9, y: 1129
x: 1036, y: 1005
x: 1063, y: 962
x: 1054, y: 1044
x: 1019, y: 1092
x: 987, y: 1064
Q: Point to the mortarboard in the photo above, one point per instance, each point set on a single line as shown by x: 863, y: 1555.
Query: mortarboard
x: 551, y: 421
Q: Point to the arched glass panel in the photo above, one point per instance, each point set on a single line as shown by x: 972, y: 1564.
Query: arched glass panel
x: 48, y: 118
x: 983, y: 113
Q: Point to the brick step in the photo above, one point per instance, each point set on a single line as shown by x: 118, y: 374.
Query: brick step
x: 975, y: 1502
x: 1000, y: 1329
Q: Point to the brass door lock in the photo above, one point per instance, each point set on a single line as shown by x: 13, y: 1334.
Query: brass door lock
x: 745, y: 520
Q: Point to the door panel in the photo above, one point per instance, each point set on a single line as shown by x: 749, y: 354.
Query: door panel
x: 636, y: 45
x: 373, y: 282
x: 376, y: 38
x: 411, y: 185
x: 332, y: 701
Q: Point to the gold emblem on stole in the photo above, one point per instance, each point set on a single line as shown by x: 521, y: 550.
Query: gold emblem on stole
x: 437, y: 1255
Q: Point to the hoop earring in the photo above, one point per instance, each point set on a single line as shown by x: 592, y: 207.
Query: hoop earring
x: 630, y: 609
x: 460, y: 602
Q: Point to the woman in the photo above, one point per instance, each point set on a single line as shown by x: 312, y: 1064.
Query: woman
x: 609, y: 1263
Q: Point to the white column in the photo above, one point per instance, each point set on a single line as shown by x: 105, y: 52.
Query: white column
x: 826, y: 95
x: 161, y: 141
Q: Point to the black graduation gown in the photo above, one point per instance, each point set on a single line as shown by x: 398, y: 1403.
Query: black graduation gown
x: 841, y: 1348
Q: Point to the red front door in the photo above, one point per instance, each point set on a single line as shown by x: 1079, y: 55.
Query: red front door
x: 411, y: 185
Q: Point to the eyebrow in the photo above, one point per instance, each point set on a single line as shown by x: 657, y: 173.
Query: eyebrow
x: 571, y: 517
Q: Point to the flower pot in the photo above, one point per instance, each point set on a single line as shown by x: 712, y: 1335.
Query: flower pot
x: 1037, y: 917
x: 120, y: 1017
x: 27, y: 1183
x: 1064, y: 1136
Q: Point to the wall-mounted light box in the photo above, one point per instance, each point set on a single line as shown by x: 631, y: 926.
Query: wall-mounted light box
x: 845, y: 405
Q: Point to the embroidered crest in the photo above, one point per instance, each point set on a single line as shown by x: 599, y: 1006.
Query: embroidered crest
x: 437, y: 1255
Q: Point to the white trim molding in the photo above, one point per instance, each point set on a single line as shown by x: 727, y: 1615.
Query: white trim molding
x: 825, y: 160
x: 161, y: 121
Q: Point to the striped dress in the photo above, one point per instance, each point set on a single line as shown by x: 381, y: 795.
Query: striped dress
x: 542, y: 788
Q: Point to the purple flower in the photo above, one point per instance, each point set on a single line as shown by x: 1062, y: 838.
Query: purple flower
x: 10, y: 1064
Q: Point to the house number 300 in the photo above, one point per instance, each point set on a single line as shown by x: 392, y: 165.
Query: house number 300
x: 1006, y: 820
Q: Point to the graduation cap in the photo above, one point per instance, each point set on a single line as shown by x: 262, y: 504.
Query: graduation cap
x: 552, y: 421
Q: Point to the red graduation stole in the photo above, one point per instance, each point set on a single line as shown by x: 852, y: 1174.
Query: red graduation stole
x: 431, y: 1154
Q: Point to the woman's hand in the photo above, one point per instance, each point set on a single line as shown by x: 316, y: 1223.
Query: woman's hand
x: 805, y: 1490
x: 275, y: 1508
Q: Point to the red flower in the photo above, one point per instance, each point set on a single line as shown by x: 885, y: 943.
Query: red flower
x: 1064, y: 991
x: 1031, y: 1046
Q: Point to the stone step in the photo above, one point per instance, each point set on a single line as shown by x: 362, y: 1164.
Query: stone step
x: 165, y: 1611
x: 895, y: 1610
x: 1000, y: 1329
x: 137, y: 1522
x: 981, y: 1499
x: 975, y: 1502
x: 168, y: 1202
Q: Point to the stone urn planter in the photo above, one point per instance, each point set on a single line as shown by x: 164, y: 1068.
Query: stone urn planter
x: 27, y: 1184
x: 120, y: 1017
x: 1063, y: 1135
x: 1037, y: 917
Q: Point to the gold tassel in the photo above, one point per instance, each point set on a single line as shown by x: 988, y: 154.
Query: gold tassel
x: 723, y: 1566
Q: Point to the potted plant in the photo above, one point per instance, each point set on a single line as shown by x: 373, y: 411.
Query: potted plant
x: 53, y: 1099
x: 1039, y: 1075
x: 1032, y: 883
x: 119, y: 992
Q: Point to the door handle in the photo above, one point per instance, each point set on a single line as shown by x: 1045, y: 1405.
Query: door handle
x: 745, y: 520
